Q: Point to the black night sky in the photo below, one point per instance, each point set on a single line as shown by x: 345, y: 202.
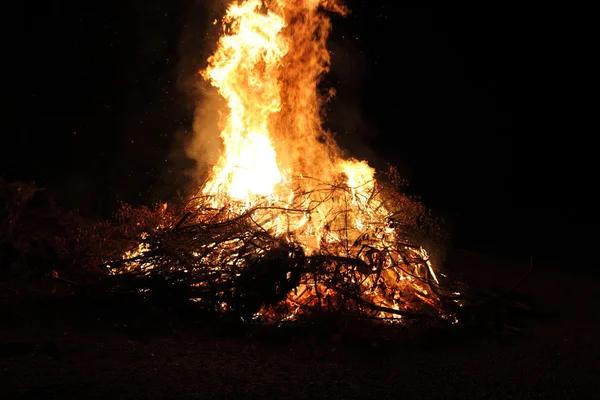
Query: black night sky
x: 475, y: 105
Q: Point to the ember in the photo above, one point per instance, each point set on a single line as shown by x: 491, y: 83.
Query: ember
x: 284, y: 223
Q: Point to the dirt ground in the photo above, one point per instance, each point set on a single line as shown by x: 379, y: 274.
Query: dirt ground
x: 74, y: 350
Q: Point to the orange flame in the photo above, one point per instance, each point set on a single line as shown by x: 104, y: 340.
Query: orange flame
x: 267, y: 66
x: 245, y: 69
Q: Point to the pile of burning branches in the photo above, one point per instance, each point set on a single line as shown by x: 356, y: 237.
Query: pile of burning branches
x: 285, y: 225
x: 270, y: 261
x: 233, y: 260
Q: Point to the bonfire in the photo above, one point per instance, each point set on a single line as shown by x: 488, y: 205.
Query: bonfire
x: 285, y: 224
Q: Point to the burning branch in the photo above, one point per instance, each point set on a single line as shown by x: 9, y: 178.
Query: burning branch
x: 237, y: 259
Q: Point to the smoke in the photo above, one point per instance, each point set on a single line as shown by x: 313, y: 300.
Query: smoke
x: 345, y: 116
x: 205, y: 144
x: 197, y: 143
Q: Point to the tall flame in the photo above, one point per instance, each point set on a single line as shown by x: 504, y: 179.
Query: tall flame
x: 267, y: 66
x: 245, y: 69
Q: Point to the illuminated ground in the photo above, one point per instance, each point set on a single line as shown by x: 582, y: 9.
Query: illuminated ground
x: 78, y: 351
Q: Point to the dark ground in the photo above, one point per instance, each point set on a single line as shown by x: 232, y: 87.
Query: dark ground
x: 54, y: 349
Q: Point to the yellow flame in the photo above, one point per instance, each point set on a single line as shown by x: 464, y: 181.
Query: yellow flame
x: 245, y: 69
x: 267, y: 65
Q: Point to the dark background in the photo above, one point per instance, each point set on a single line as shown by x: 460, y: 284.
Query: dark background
x: 479, y: 107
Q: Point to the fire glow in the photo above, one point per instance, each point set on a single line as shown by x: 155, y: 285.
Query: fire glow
x: 281, y: 181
